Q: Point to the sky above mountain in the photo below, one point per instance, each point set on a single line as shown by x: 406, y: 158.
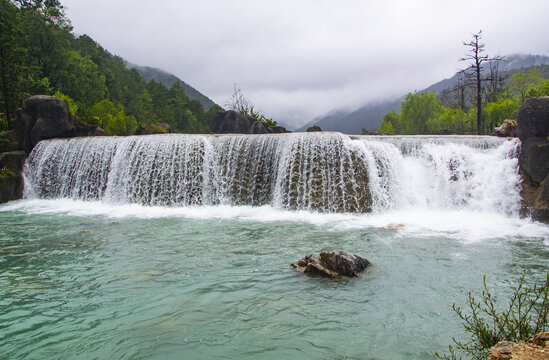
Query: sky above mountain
x: 299, y: 59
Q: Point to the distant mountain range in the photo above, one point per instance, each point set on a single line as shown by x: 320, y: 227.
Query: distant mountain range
x: 370, y: 115
x: 164, y: 77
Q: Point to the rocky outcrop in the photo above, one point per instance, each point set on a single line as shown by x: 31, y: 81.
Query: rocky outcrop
x: 232, y: 122
x: 533, y: 131
x: 533, y: 118
x: 11, y: 175
x: 535, y: 348
x: 507, y: 129
x: 43, y: 117
x: 277, y: 129
x: 333, y: 264
x: 314, y: 128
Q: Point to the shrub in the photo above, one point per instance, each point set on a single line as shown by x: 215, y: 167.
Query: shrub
x: 525, y: 315
x: 6, y: 172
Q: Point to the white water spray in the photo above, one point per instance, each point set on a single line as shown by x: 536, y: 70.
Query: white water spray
x: 326, y: 172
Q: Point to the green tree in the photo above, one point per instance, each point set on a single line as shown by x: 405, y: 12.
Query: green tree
x: 497, y: 112
x: 80, y: 78
x: 47, y: 36
x: 73, y: 107
x: 111, y: 118
x: 390, y: 123
x: 419, y: 113
x: 455, y: 121
x: 520, y: 83
x: 11, y: 60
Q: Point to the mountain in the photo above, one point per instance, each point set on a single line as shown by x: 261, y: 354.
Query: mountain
x: 371, y: 115
x: 163, y: 77
x: 368, y: 117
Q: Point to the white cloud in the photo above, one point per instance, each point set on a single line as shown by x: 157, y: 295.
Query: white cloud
x: 299, y: 59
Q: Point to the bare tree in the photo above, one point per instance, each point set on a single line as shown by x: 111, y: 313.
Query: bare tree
x: 238, y: 102
x: 474, y: 72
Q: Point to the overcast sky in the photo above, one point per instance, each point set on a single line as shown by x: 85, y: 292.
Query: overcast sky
x: 302, y: 58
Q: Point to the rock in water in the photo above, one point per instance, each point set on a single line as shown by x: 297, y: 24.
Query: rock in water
x: 333, y: 264
x: 507, y: 129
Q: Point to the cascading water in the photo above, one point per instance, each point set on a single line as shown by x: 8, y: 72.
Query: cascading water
x: 178, y: 246
x: 326, y: 172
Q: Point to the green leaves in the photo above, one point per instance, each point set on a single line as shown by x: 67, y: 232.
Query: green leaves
x: 40, y: 55
x: 525, y: 315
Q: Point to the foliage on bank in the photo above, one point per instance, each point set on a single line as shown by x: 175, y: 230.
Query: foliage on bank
x: 39, y: 54
x: 526, y: 314
x: 427, y: 113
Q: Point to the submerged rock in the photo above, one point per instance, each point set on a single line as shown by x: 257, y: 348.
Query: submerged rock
x: 333, y: 264
x: 535, y: 348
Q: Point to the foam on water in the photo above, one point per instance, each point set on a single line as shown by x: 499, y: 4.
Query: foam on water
x: 465, y: 225
x: 179, y: 246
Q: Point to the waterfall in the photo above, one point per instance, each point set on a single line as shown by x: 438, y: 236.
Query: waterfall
x: 325, y: 172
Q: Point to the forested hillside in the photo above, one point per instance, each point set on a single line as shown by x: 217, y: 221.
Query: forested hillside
x: 39, y: 54
x: 168, y: 80
x: 454, y: 110
x: 369, y: 116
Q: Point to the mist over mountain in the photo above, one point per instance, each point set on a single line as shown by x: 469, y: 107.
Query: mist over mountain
x: 167, y: 79
x: 370, y: 115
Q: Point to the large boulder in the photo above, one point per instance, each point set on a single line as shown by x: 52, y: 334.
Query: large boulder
x: 533, y: 118
x: 314, y: 128
x: 533, y: 132
x: 11, y: 175
x: 534, y: 158
x: 277, y: 129
x: 232, y: 122
x: 43, y: 117
x: 333, y: 264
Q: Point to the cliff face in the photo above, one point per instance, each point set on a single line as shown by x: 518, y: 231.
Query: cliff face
x: 533, y: 132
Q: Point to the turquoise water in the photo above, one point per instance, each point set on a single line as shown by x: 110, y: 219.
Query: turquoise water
x: 89, y: 280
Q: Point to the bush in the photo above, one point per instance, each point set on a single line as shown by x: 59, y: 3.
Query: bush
x: 525, y: 315
x: 6, y: 172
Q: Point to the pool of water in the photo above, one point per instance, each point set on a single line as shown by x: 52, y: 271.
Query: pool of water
x: 89, y: 280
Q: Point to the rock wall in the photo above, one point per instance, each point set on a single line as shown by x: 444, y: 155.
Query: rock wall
x: 42, y: 117
x: 533, y: 132
x: 11, y: 175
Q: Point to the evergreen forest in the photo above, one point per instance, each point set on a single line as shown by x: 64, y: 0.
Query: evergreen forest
x: 39, y: 54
